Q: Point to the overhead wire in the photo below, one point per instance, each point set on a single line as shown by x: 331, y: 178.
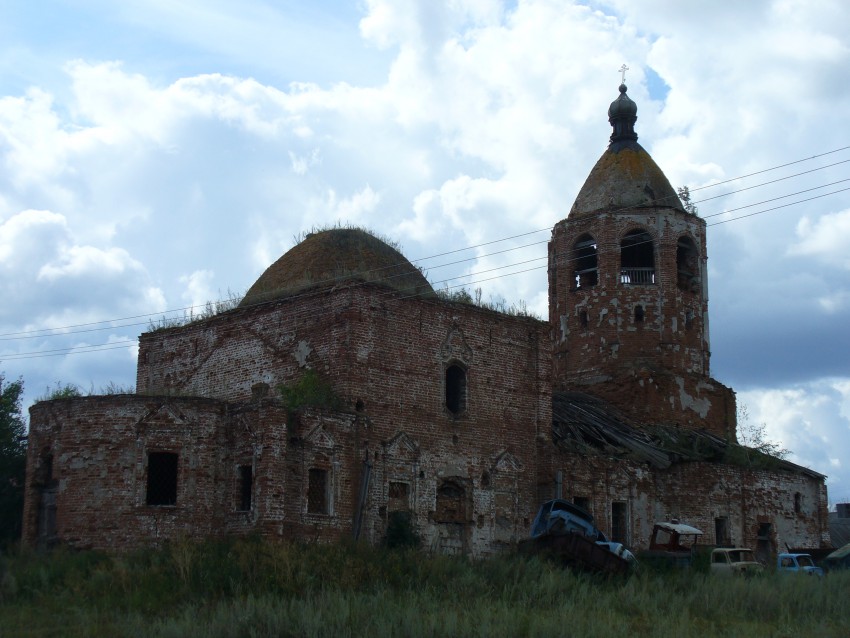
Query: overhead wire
x: 65, y: 330
x: 170, y: 314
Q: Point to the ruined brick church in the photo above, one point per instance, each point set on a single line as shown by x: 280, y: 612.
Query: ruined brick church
x: 458, y: 418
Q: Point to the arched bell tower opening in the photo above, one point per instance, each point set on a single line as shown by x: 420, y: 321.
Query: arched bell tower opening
x: 637, y: 258
x: 585, y: 261
x: 627, y: 292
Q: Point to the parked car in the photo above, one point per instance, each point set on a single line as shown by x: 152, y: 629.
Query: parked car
x: 735, y: 561
x: 798, y: 563
x: 559, y: 515
x: 671, y: 544
x: 567, y: 532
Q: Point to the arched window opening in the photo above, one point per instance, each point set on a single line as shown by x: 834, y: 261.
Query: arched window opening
x: 637, y: 258
x: 450, y: 503
x: 639, y: 313
x: 455, y: 389
x: 582, y: 318
x: 687, y: 265
x: 584, y: 258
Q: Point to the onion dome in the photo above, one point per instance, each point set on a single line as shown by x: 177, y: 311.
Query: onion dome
x: 625, y: 177
x: 622, y: 114
x: 330, y: 257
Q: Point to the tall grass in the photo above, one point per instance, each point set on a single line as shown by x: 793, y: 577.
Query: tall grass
x: 249, y: 587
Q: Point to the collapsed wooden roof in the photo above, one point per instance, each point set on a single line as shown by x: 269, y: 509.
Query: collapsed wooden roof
x: 582, y: 423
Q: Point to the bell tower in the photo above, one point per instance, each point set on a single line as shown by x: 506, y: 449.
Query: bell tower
x: 628, y: 293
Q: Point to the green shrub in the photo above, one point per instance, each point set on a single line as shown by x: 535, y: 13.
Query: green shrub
x: 401, y: 532
x: 310, y: 390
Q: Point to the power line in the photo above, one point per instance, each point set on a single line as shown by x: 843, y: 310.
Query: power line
x: 128, y: 343
x: 46, y: 332
x: 88, y: 327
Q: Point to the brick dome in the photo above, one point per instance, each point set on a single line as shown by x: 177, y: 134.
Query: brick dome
x: 329, y: 257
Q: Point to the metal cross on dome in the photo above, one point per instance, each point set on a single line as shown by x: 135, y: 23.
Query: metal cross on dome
x: 623, y: 70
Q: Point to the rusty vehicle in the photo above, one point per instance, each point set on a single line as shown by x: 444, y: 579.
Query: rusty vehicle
x: 672, y: 544
x: 797, y: 564
x: 566, y: 532
x: 735, y: 561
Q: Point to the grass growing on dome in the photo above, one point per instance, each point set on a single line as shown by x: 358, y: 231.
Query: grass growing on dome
x: 315, y: 230
x: 338, y: 256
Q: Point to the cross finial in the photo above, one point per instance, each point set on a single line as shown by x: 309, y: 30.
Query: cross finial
x: 623, y: 70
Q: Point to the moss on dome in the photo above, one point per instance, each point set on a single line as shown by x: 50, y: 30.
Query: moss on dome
x: 327, y: 258
x: 624, y: 178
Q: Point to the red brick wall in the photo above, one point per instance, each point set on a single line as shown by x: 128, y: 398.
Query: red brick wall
x: 697, y: 493
x: 656, y: 370
x: 385, y: 356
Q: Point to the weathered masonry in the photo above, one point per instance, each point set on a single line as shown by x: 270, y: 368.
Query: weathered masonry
x: 457, y: 418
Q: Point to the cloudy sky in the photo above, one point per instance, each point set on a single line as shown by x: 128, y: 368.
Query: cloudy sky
x: 158, y: 154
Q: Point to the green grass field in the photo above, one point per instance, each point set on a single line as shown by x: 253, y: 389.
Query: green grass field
x: 250, y: 587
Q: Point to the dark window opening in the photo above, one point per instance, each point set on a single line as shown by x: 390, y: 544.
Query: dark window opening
x: 44, y: 470
x: 687, y: 265
x: 585, y: 259
x: 398, y: 497
x: 583, y: 502
x: 765, y: 547
x: 450, y: 503
x: 689, y: 319
x: 455, y: 389
x: 246, y: 485
x: 721, y: 531
x: 798, y: 502
x: 582, y: 318
x: 47, y: 516
x: 639, y: 314
x: 317, y: 491
x: 162, y: 478
x: 637, y: 258
x: 619, y: 523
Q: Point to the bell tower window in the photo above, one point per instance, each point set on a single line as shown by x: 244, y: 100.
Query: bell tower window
x: 584, y: 258
x: 687, y: 265
x: 637, y: 258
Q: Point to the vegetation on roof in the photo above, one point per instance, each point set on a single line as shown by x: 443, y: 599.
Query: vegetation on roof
x: 310, y: 390
x: 334, y: 256
x: 497, y: 304
x: 194, y: 314
x: 592, y: 426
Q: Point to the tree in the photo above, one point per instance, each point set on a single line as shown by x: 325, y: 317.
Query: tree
x: 685, y: 195
x: 13, y: 457
x: 754, y: 436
